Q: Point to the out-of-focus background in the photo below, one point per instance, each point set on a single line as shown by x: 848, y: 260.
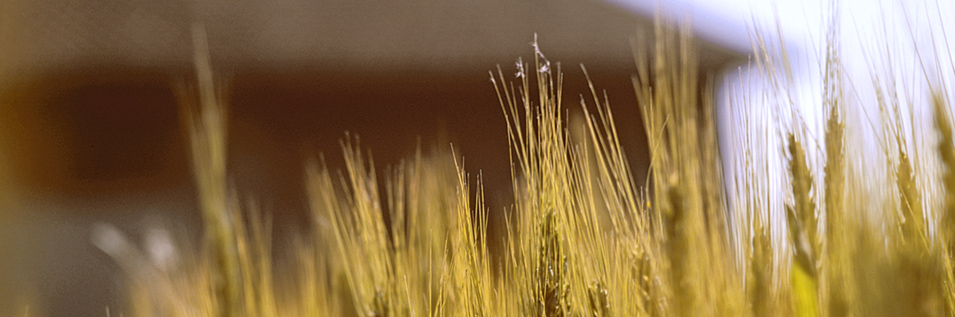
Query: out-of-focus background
x: 90, y: 129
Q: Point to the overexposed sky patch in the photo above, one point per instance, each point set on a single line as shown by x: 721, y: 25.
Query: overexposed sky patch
x: 899, y: 47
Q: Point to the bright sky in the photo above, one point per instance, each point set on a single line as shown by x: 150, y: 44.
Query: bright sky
x: 884, y: 43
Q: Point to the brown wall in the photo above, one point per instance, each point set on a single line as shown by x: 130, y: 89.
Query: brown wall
x: 89, y: 129
x: 107, y: 146
x: 109, y: 132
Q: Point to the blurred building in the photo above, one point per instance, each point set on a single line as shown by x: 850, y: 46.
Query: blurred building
x: 90, y: 131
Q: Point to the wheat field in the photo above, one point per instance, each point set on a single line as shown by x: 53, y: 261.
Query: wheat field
x: 583, y: 237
